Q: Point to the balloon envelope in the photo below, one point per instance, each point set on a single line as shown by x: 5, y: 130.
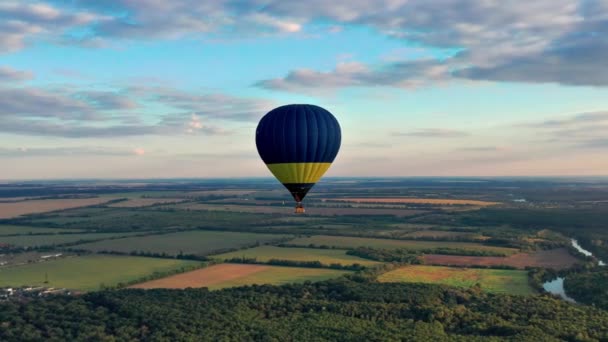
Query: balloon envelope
x: 298, y: 143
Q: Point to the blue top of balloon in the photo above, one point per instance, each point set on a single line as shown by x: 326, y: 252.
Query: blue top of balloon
x: 298, y: 133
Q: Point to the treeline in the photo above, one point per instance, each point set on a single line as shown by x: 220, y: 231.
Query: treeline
x: 538, y: 276
x: 386, y: 255
x: 67, y: 245
x: 296, y: 263
x: 336, y: 310
x: 178, y: 255
x: 155, y: 275
x: 589, y: 287
x: 587, y: 225
x: 162, y: 255
x: 397, y: 252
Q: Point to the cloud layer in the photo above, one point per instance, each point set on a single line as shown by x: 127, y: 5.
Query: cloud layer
x: 541, y: 41
x: 11, y: 75
x: 70, y: 113
x: 22, y: 20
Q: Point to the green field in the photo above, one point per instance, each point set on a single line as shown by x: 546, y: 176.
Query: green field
x: 353, y: 242
x: 130, y: 219
x: 325, y: 256
x: 56, y: 239
x: 12, y: 230
x: 190, y: 242
x: 501, y: 281
x: 87, y: 272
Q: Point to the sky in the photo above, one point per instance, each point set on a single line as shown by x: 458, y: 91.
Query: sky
x: 162, y: 89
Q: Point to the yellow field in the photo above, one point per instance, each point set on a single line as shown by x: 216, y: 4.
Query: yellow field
x: 436, y: 201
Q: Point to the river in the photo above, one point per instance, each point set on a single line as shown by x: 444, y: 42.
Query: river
x: 586, y: 252
x: 556, y: 286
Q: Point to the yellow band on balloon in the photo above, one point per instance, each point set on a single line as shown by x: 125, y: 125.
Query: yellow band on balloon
x: 298, y: 172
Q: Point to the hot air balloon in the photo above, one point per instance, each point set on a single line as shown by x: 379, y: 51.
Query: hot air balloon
x: 298, y: 143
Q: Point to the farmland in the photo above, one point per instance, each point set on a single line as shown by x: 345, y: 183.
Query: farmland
x: 88, y: 272
x: 433, y: 201
x: 140, y: 219
x: 56, y: 239
x: 231, y: 275
x: 558, y: 258
x: 287, y: 209
x: 419, y: 274
x: 11, y: 259
x: 352, y: 242
x: 500, y: 281
x: 23, y: 230
x: 144, y: 202
x: 188, y: 242
x: 324, y: 256
x: 221, y: 192
x: 435, y: 234
x: 9, y: 210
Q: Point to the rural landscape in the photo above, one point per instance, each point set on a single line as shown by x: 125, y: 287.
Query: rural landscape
x: 533, y: 243
x: 310, y: 170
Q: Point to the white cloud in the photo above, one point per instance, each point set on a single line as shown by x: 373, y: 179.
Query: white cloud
x: 10, y: 74
x: 433, y: 133
x: 21, y: 20
x: 68, y: 112
x: 139, y: 151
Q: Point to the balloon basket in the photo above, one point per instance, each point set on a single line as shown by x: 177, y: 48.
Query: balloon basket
x: 300, y: 209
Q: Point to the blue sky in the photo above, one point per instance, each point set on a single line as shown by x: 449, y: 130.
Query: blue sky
x: 149, y: 88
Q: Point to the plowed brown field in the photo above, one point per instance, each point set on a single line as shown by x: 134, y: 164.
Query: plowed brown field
x: 203, y: 277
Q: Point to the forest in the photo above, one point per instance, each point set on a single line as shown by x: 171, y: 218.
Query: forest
x: 339, y: 310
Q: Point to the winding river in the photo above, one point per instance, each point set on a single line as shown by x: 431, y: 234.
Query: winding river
x: 584, y: 251
x: 556, y: 286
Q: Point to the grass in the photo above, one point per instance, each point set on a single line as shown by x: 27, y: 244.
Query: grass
x: 491, y: 280
x: 353, y: 242
x: 87, y: 273
x: 56, y: 239
x: 325, y: 256
x: 231, y: 275
x: 12, y: 230
x: 189, y: 242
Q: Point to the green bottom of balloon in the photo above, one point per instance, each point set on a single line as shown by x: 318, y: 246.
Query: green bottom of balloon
x: 298, y: 190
